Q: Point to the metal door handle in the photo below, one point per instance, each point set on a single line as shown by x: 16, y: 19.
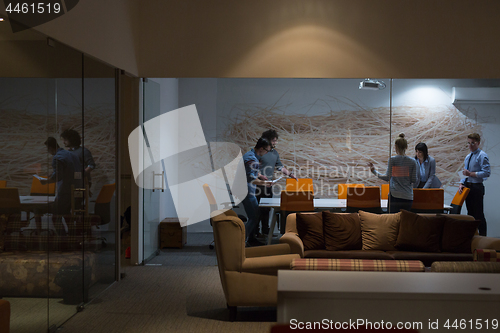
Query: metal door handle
x: 162, y: 174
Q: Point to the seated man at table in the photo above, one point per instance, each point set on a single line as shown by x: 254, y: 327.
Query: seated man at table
x: 66, y: 172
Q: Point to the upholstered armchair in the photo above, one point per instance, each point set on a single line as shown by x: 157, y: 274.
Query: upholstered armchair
x: 248, y: 275
x: 4, y: 316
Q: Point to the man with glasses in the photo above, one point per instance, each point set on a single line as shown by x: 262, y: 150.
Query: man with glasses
x: 476, y: 170
x: 268, y: 163
x: 254, y: 178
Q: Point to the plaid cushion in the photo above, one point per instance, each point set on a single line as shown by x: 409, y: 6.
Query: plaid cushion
x: 486, y: 255
x: 358, y: 265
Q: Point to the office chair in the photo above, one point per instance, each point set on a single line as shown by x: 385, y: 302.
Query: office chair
x: 301, y: 184
x: 342, y: 189
x: 294, y: 201
x: 458, y: 201
x: 213, y: 207
x: 9, y: 201
x: 428, y: 200
x: 38, y: 189
x: 366, y: 198
x: 102, y: 207
x: 384, y: 189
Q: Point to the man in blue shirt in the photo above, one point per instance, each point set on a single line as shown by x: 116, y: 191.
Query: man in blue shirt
x: 268, y: 163
x: 73, y: 141
x: 477, y: 169
x: 254, y: 178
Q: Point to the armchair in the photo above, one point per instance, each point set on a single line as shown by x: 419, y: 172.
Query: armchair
x: 248, y: 275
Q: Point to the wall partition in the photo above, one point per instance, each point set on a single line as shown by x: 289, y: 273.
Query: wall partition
x: 57, y: 240
x: 329, y: 129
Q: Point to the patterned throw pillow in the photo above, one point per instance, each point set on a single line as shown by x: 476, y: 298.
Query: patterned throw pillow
x: 486, y: 255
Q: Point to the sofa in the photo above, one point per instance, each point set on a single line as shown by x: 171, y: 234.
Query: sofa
x: 401, y: 236
x: 4, y: 316
x: 41, y: 264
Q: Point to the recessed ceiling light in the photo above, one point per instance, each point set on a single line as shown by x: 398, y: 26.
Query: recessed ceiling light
x: 1, y: 19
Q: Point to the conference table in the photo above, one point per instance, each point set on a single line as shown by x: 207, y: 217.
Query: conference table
x: 36, y: 204
x: 319, y: 204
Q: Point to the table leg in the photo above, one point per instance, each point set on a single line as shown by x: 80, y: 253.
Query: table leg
x: 272, y: 224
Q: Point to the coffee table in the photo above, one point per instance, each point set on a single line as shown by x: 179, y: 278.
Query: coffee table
x: 420, y: 300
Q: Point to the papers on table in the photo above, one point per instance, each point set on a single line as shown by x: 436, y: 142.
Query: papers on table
x: 276, y: 180
x: 39, y: 178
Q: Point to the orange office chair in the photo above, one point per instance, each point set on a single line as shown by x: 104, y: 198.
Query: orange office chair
x: 3, y: 183
x: 294, y: 201
x: 210, y: 197
x: 365, y: 198
x: 213, y: 207
x: 38, y: 189
x: 102, y: 208
x: 428, y: 200
x: 342, y: 189
x: 301, y: 184
x: 384, y: 189
x: 458, y: 201
x: 9, y: 201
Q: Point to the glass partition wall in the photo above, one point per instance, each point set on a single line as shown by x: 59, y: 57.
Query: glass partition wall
x: 330, y: 129
x: 57, y: 240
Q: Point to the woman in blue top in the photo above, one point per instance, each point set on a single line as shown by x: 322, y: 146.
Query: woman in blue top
x: 426, y: 168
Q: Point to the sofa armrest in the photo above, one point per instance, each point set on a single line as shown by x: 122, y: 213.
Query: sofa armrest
x: 267, y: 250
x: 268, y: 265
x: 484, y: 242
x: 296, y: 245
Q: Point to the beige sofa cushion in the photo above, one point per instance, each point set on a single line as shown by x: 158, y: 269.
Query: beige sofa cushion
x: 379, y: 231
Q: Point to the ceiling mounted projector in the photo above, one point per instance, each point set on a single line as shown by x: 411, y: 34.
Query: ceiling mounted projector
x: 369, y: 84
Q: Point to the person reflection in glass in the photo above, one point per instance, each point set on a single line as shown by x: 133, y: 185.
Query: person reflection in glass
x: 66, y: 171
x: 72, y: 141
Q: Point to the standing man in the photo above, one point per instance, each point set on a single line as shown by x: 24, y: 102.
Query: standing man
x: 477, y: 170
x: 254, y: 178
x: 268, y: 163
x: 66, y: 172
x: 72, y: 141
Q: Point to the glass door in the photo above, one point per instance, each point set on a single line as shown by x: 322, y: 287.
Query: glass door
x: 61, y: 227
x: 154, y: 176
x: 57, y: 246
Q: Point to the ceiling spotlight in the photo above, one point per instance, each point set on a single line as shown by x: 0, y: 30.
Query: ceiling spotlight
x: 369, y: 84
x: 1, y: 19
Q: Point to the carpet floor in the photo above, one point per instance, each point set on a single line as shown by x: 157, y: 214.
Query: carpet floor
x: 177, y: 291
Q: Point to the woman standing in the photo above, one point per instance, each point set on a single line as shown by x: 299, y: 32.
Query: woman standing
x: 401, y: 174
x: 426, y: 168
